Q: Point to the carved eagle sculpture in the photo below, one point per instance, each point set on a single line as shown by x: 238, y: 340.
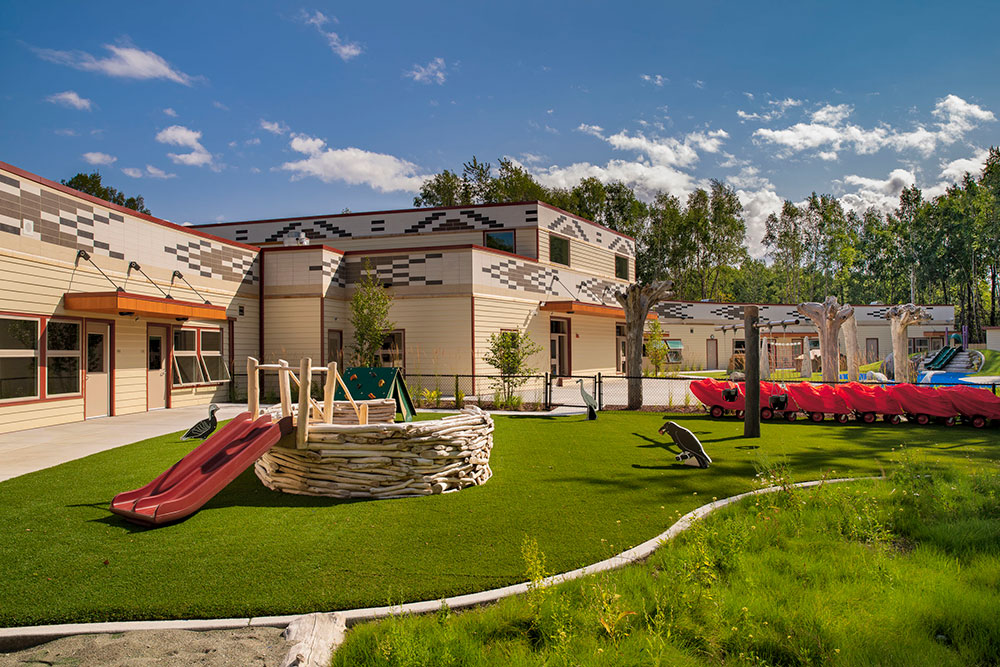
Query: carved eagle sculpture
x: 205, y: 427
x: 692, y: 453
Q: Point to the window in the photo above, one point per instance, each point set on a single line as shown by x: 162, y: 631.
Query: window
x: 500, y: 240
x: 918, y: 345
x: 621, y: 267
x: 739, y: 346
x: 675, y: 351
x: 187, y: 370
x: 215, y: 367
x: 392, y: 353
x: 18, y: 358
x: 62, y: 358
x: 558, y: 250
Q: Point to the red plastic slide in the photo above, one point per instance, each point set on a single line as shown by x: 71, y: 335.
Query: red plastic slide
x: 195, y: 479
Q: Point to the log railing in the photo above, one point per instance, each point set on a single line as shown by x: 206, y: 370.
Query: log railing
x: 309, y: 410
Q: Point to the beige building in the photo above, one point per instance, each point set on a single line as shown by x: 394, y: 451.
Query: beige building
x: 690, y: 327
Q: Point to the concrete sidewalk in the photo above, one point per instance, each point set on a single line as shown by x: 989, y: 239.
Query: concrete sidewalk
x: 37, y: 448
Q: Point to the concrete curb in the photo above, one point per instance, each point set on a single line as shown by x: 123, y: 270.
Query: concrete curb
x: 12, y: 639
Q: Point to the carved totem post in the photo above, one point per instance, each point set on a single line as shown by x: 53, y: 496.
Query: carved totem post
x: 853, y: 351
x: 806, y: 369
x: 828, y: 318
x: 900, y: 318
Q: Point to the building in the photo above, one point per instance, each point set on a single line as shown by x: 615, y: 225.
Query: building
x: 689, y: 327
x: 153, y: 314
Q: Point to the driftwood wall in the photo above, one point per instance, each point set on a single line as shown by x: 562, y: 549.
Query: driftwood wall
x: 384, y: 460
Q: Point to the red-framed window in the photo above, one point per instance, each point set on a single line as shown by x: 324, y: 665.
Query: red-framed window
x: 40, y: 357
x: 198, y: 357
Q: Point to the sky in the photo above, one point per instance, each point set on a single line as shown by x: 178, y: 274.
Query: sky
x: 219, y: 111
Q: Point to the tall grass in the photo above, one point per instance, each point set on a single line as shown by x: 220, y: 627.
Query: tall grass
x: 899, y: 571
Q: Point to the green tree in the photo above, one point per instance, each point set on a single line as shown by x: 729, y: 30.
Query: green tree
x: 91, y: 185
x: 513, y: 184
x: 369, y: 316
x: 509, y: 352
x: 656, y: 349
x: 444, y: 189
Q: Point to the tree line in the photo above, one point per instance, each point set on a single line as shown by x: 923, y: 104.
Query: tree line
x: 944, y: 249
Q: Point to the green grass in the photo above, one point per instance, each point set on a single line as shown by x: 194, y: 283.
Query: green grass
x: 903, y: 571
x: 583, y: 489
x: 991, y: 363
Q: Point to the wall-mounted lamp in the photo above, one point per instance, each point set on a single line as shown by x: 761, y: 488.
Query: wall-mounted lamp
x: 126, y: 313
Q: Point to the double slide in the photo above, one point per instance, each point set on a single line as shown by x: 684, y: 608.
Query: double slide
x: 195, y: 479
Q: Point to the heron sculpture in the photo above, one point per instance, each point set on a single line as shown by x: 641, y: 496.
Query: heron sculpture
x: 205, y: 427
x: 692, y: 453
x: 589, y: 400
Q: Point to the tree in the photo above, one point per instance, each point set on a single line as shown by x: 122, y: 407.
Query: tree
x: 636, y: 300
x: 91, y: 185
x: 656, y: 349
x: 509, y: 352
x: 370, y: 307
x: 444, y: 189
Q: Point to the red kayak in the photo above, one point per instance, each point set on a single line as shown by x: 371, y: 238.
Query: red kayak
x: 922, y: 403
x: 819, y: 400
x: 870, y: 400
x: 719, y: 396
x: 774, y: 400
x: 976, y: 404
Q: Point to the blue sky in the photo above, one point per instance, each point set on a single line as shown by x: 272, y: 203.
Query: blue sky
x: 233, y: 111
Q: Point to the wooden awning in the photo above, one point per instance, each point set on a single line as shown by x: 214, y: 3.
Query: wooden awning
x: 124, y: 303
x: 583, y: 308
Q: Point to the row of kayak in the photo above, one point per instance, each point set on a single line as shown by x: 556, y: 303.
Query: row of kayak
x: 865, y: 402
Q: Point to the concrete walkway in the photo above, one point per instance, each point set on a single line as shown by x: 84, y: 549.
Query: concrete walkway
x: 37, y: 448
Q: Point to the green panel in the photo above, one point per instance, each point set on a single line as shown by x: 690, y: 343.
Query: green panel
x: 367, y: 384
x: 674, y: 345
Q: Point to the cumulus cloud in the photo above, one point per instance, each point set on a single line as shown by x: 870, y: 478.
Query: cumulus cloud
x: 133, y: 172
x: 881, y: 194
x: 386, y: 173
x: 775, y: 109
x: 170, y: 112
x: 828, y: 131
x: 656, y: 79
x: 661, y: 151
x: 432, y: 72
x: 273, y: 127
x: 956, y: 170
x: 178, y: 135
x: 757, y: 205
x: 70, y: 99
x: 647, y: 179
x: 99, y: 158
x: 151, y: 172
x: 343, y: 48
x: 125, y: 61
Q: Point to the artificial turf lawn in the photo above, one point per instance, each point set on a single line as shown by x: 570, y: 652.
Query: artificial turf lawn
x: 583, y: 489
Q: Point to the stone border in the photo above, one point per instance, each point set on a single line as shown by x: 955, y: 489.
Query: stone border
x: 12, y: 639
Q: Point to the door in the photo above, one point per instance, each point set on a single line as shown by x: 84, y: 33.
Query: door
x: 620, y: 347
x: 156, y: 368
x: 97, y: 381
x: 558, y: 354
x: 711, y: 354
x: 335, y: 347
x: 871, y: 350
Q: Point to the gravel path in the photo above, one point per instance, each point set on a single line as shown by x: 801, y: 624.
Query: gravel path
x: 251, y: 647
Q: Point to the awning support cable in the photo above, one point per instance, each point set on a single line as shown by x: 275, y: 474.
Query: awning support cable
x: 135, y: 265
x: 83, y: 254
x: 178, y: 274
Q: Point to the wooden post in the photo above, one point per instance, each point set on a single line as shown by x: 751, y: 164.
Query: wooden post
x: 305, y: 384
x: 751, y: 336
x: 329, y: 390
x: 253, y: 394
x: 363, y: 414
x: 285, y: 387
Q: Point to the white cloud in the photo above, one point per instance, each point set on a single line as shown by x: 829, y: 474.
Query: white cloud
x: 151, y: 172
x: 749, y: 178
x: 99, y: 158
x: 595, y: 130
x: 355, y: 166
x: 531, y: 158
x: 665, y: 151
x: 125, y: 61
x: 70, y: 98
x: 699, y: 83
x: 254, y: 141
x: 757, y: 205
x: 710, y: 142
x: 655, y: 79
x: 178, y: 135
x: 433, y: 72
x: 829, y: 131
x: 882, y: 194
x: 170, y: 112
x: 219, y: 105
x: 778, y: 109
x: 273, y: 127
x: 956, y: 170
x: 647, y: 179
x: 155, y: 172
x: 345, y: 49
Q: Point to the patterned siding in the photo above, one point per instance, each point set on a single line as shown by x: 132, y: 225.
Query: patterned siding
x: 35, y: 211
x: 586, y: 231
x: 521, y: 276
x: 364, y: 225
x: 399, y: 270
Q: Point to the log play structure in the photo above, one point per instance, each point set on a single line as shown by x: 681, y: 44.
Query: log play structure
x: 350, y: 448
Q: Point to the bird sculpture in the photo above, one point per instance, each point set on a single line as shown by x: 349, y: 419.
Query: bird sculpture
x: 589, y: 400
x: 204, y: 428
x: 692, y: 453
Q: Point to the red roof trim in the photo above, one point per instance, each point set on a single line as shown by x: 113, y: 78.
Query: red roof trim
x: 115, y: 207
x: 792, y: 305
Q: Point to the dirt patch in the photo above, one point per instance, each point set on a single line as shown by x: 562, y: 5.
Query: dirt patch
x: 257, y: 647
